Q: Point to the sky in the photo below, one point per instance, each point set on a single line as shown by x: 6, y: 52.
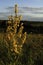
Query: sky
x: 30, y: 9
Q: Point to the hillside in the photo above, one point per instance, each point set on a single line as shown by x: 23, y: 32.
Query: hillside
x: 29, y: 26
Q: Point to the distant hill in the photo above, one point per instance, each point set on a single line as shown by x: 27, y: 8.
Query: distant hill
x: 29, y: 26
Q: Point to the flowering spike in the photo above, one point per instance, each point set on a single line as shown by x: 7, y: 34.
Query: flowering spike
x: 17, y: 37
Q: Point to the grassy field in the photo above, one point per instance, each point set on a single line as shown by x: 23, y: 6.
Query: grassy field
x: 32, y: 52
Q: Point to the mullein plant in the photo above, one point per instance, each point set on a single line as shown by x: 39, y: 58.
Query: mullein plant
x: 14, y: 32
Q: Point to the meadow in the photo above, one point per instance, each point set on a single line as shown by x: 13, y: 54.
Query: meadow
x: 32, y: 52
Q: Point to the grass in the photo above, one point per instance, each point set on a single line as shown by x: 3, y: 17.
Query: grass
x: 32, y: 52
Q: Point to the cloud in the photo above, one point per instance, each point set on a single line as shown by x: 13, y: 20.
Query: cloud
x: 28, y: 13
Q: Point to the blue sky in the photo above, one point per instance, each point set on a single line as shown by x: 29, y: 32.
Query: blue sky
x: 32, y: 3
x: 29, y: 9
x: 4, y: 3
